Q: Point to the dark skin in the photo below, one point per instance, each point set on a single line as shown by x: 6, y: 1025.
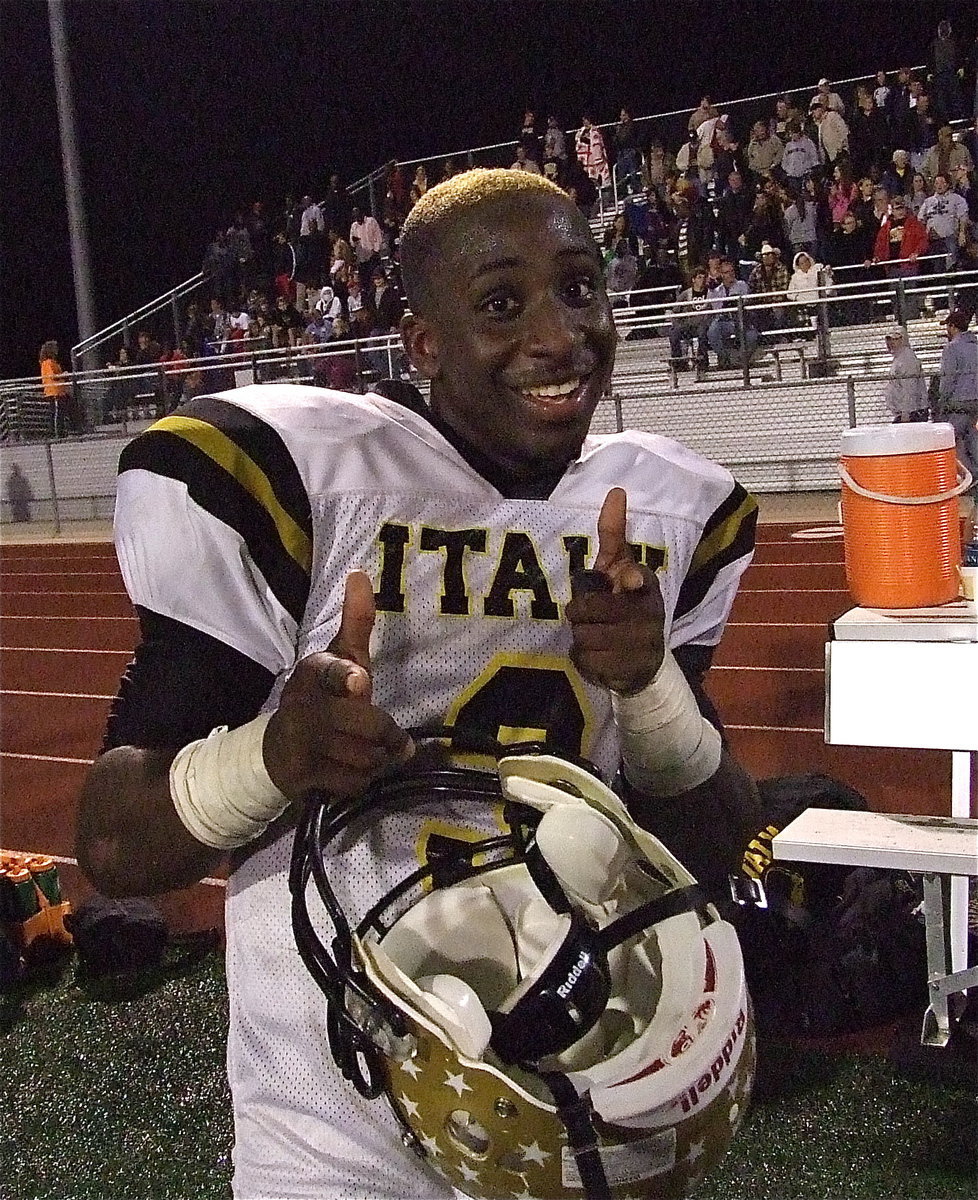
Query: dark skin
x: 519, y: 347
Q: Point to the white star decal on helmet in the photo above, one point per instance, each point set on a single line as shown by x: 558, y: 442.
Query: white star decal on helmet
x: 535, y: 1153
x: 501, y: 913
x: 456, y: 1082
x: 431, y: 1146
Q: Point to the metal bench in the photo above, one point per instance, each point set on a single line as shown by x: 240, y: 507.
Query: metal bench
x: 936, y: 848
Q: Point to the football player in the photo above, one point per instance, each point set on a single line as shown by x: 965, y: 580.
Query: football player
x: 321, y: 576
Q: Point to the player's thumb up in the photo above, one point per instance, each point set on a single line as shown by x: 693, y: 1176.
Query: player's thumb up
x: 352, y: 641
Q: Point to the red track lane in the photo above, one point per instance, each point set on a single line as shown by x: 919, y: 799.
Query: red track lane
x: 27, y: 603
x: 804, y: 553
x: 769, y: 604
x: 772, y: 644
x: 768, y: 696
x: 797, y: 576
x: 71, y: 633
x: 51, y: 579
x: 29, y: 670
x: 83, y: 551
x: 68, y: 627
x: 27, y: 723
x: 910, y: 781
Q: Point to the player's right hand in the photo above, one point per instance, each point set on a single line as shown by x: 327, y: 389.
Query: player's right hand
x: 326, y: 734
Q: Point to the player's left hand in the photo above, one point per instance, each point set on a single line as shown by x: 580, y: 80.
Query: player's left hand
x: 617, y: 635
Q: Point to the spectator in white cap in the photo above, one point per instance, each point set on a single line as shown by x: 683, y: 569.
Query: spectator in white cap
x: 906, y: 390
x: 770, y: 278
x: 827, y: 98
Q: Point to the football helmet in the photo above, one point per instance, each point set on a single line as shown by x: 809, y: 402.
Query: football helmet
x: 553, y: 1011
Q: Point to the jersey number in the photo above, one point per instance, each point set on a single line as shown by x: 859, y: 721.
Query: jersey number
x: 514, y: 702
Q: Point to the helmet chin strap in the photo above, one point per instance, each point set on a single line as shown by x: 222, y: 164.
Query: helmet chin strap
x: 577, y: 1115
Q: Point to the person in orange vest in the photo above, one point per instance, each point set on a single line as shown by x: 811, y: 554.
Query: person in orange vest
x: 64, y: 412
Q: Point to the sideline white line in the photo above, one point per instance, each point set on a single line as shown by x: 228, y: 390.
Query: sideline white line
x: 7, y: 593
x: 56, y: 695
x: 794, y: 566
x: 63, y: 650
x: 53, y: 617
x: 794, y: 592
x: 84, y: 762
x: 774, y: 728
x: 775, y: 624
x: 64, y: 861
x: 58, y: 574
x: 810, y: 670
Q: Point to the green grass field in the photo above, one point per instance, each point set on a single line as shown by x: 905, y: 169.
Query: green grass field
x: 109, y: 1094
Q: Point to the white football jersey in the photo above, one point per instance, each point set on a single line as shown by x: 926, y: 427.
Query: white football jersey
x: 241, y: 516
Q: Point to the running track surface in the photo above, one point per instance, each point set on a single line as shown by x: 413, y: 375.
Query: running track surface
x: 68, y: 630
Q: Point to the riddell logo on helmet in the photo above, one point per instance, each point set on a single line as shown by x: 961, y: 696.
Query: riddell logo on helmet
x: 687, y: 1036
x: 573, y: 975
x: 695, y: 1094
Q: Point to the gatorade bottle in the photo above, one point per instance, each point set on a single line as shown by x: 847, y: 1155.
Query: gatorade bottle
x: 21, y: 899
x: 45, y: 875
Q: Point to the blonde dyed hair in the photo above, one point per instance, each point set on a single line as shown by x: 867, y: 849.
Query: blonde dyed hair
x: 441, y: 206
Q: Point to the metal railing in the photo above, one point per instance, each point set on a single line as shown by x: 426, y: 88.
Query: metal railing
x: 82, y: 353
x: 492, y: 154
x: 119, y: 399
x: 668, y: 125
x: 774, y: 417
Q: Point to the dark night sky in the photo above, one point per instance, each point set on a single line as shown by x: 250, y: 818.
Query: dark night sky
x: 186, y: 110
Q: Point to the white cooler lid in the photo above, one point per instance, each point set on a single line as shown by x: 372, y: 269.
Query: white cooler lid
x: 908, y: 437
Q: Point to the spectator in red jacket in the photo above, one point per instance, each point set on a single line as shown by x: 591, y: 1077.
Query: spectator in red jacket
x: 899, y: 242
x: 901, y: 235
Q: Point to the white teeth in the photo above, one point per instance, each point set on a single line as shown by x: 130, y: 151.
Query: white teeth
x: 555, y: 389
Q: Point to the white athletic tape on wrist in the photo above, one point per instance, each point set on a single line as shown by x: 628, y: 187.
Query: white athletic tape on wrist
x: 667, y: 745
x: 220, y: 788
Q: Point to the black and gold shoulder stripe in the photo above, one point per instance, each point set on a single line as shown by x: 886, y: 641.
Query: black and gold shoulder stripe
x: 727, y: 536
x: 238, y: 469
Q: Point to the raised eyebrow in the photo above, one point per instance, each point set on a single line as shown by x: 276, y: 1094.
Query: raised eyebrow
x: 496, y: 264
x: 580, y: 250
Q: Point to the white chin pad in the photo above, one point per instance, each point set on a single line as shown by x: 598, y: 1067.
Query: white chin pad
x: 460, y: 1010
x: 583, y: 849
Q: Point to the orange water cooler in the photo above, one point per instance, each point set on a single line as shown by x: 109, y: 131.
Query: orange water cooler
x: 900, y: 488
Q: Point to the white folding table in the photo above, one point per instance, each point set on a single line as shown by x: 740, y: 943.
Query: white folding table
x: 906, y: 678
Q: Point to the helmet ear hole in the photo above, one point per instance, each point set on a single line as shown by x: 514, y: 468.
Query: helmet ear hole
x: 467, y: 1134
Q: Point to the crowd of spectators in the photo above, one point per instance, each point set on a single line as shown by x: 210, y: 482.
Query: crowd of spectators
x: 876, y: 181
x: 879, y: 183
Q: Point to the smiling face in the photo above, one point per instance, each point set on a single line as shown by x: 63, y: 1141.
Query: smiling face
x: 516, y: 335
